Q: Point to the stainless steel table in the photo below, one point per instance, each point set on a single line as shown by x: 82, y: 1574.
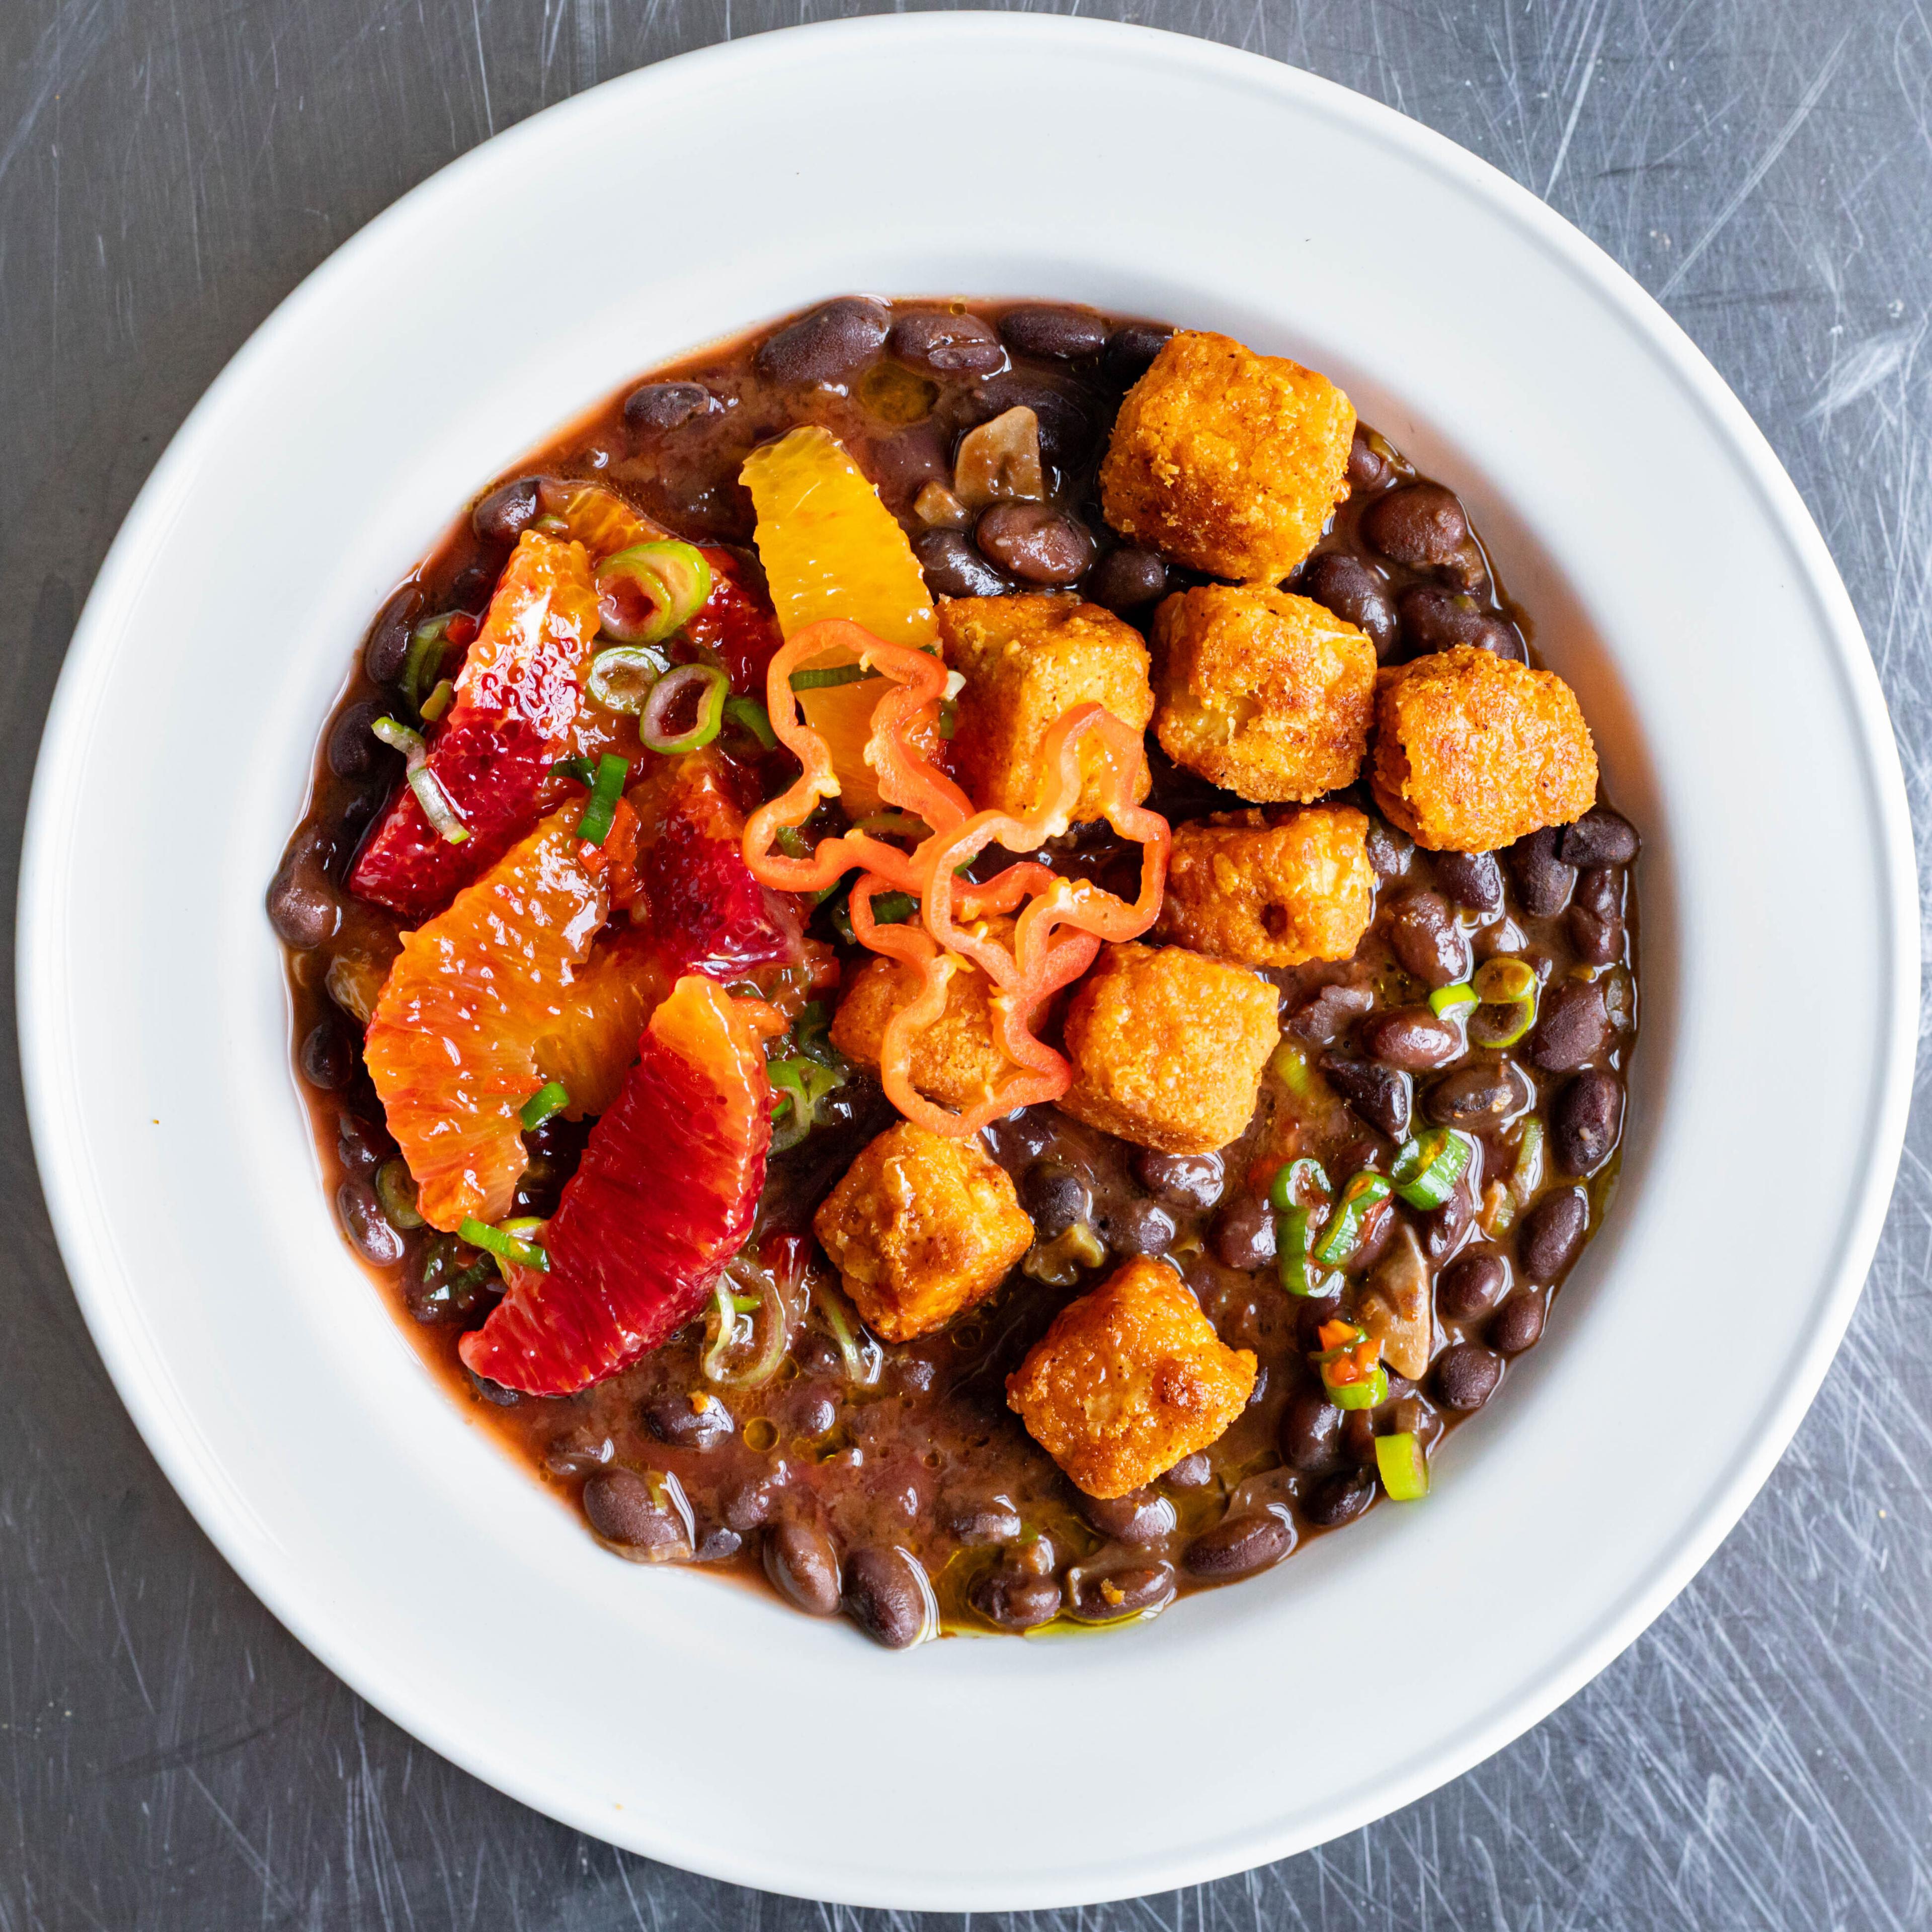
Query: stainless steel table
x: 170, y: 1760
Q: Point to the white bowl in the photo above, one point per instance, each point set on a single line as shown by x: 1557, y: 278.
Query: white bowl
x: 1675, y: 576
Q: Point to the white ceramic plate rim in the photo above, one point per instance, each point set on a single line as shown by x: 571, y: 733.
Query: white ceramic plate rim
x: 56, y: 1114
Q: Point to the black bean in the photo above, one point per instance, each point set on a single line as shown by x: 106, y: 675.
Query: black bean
x: 471, y: 589
x: 1541, y: 877
x: 661, y: 406
x: 750, y: 1503
x: 328, y: 1060
x: 1469, y: 1286
x: 1572, y: 1025
x: 1478, y: 1095
x: 1055, y: 1197
x: 1356, y: 592
x: 1600, y: 889
x: 447, y: 1281
x: 1601, y: 837
x: 302, y: 905
x: 1015, y: 1600
x: 671, y: 1418
x: 1585, y: 1120
x: 1124, y: 580
x: 1466, y: 1376
x: 803, y: 1566
x: 1191, y: 1472
x: 1046, y: 329
x: 1433, y: 619
x: 1368, y: 468
x: 361, y: 1145
x: 1473, y: 880
x: 387, y: 648
x: 1518, y: 1324
x: 1244, y: 1235
x: 493, y: 1393
x: 1412, y: 1037
x: 1389, y: 851
x: 1311, y: 1433
x: 623, y: 1509
x: 582, y: 1452
x: 1358, y: 1438
x: 1131, y: 349
x: 354, y: 750
x: 937, y: 343
x: 1239, y: 1546
x: 1421, y: 524
x: 1122, y: 1593
x: 1444, y: 1227
x: 1181, y: 1180
x: 1381, y: 1095
x: 1141, y: 1516
x: 1035, y: 542
x: 1325, y: 1014
x: 1598, y: 941
x: 1428, y: 939
x: 954, y: 568
x: 887, y: 1596
x: 1137, y: 1228
x: 1022, y: 1136
x: 365, y: 1224
x: 1552, y: 1232
x: 813, y: 1408
x: 716, y: 1544
x: 502, y: 514
x: 984, y: 1522
x: 1339, y: 1499
x: 831, y: 345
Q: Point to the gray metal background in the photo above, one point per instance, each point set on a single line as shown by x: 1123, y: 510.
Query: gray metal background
x: 170, y: 1758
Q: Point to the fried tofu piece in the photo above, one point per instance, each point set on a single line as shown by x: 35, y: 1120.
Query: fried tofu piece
x: 1231, y: 462
x: 1264, y: 693
x: 1282, y: 894
x: 1168, y: 1048
x: 1130, y: 1378
x: 1026, y: 661
x: 956, y: 1060
x: 922, y: 1227
x: 1473, y: 751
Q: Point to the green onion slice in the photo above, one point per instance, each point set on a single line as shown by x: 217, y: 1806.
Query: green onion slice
x: 1293, y: 1228
x: 1370, y: 1392
x: 671, y: 579
x: 894, y: 825
x: 594, y: 827
x: 548, y: 1101
x: 798, y: 1085
x: 1507, y: 989
x: 1343, y: 1233
x: 831, y: 675
x: 1425, y: 1171
x: 1295, y: 1070
x: 759, y: 1322
x: 654, y: 724
x: 1402, y: 1467
x: 396, y: 1190
x: 749, y: 715
x: 1298, y: 1184
x: 1527, y: 1175
x: 862, y: 1357
x: 793, y: 843
x: 581, y: 769
x: 621, y: 678
x: 430, y: 796
x: 507, y: 1243
x: 949, y: 718
x: 438, y: 701
x: 421, y: 667
x: 1446, y: 1000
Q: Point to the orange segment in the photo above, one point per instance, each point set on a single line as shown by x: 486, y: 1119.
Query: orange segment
x: 484, y: 1002
x: 604, y: 1013
x: 597, y: 518
x: 832, y: 549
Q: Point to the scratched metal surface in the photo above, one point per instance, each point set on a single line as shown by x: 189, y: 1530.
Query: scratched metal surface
x: 170, y: 1759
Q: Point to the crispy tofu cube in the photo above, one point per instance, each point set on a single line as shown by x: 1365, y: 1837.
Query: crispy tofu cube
x: 1129, y: 1378
x: 1026, y: 661
x: 1230, y: 461
x: 1168, y: 1048
x: 1271, y: 894
x: 1474, y: 751
x: 1264, y: 693
x: 922, y: 1227
x: 956, y: 1060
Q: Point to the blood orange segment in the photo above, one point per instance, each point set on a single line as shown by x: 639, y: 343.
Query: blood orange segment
x: 487, y: 1001
x: 830, y: 548
x: 516, y: 697
x: 662, y: 1199
x: 601, y: 1015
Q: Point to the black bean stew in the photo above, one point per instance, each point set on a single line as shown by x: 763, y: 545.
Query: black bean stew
x: 891, y: 1481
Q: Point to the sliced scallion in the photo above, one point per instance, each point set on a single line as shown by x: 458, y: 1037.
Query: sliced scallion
x: 581, y: 769
x: 438, y: 701
x: 830, y: 675
x: 546, y: 1103
x: 711, y: 688
x: 749, y: 715
x: 1402, y: 1467
x: 396, y: 1190
x: 1507, y: 989
x: 671, y: 580
x: 424, y: 662
x: 594, y: 827
x: 1342, y: 1234
x: 507, y: 1243
x: 1298, y: 1184
x: 430, y: 796
x: 621, y: 679
x: 1448, y: 1000
x: 1425, y: 1171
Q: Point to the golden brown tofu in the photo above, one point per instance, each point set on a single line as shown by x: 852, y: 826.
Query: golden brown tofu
x: 921, y: 1227
x: 1026, y: 661
x: 1474, y: 751
x: 1168, y: 1048
x: 1271, y: 894
x: 1264, y: 693
x: 956, y: 1060
x: 1129, y: 1378
x: 1229, y: 461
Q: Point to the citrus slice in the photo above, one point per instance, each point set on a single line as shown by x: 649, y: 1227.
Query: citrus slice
x: 662, y: 1199
x: 830, y: 548
x: 487, y: 1001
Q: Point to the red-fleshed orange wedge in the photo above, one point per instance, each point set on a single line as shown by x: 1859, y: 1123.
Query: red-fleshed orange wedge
x: 662, y: 1199
x: 487, y: 1001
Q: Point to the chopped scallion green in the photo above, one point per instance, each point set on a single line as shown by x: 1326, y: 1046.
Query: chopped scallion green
x: 594, y: 827
x: 548, y: 1101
